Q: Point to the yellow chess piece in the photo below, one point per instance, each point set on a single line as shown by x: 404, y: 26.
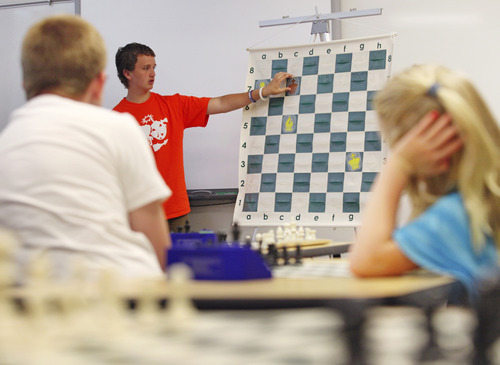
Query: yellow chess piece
x: 354, y: 162
x: 289, y: 125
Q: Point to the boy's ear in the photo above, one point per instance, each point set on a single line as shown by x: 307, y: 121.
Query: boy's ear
x: 127, y: 74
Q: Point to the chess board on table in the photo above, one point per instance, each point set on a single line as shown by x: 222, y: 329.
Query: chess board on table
x: 270, y: 337
x: 311, y: 155
x: 314, y: 270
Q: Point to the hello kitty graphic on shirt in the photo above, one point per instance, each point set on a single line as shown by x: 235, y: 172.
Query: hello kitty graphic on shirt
x: 155, y: 131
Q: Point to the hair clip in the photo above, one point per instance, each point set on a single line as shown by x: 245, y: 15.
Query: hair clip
x: 432, y: 91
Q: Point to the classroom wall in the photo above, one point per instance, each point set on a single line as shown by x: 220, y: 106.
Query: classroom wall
x: 460, y: 34
x: 14, y: 22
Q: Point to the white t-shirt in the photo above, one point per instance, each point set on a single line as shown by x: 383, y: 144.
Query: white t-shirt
x: 70, y: 173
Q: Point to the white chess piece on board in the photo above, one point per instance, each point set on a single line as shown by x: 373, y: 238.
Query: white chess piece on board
x: 279, y: 234
x: 180, y: 310
x: 300, y: 234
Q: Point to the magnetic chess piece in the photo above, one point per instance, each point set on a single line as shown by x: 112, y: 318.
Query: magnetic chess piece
x: 354, y: 162
x: 179, y: 229
x: 187, y: 227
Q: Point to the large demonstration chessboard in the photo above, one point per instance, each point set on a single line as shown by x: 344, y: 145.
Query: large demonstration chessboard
x: 312, y: 155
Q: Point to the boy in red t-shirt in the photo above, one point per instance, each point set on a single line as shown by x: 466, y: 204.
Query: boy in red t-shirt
x: 164, y: 118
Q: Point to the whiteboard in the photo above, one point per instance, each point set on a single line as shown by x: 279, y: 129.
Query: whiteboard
x: 201, y: 50
x: 14, y: 23
x: 460, y: 34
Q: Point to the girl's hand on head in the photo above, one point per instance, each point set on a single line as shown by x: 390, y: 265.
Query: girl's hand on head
x: 427, y: 148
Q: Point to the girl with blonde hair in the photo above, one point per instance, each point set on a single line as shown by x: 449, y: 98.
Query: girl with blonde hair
x: 445, y: 154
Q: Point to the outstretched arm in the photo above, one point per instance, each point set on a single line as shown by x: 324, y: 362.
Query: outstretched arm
x: 423, y: 151
x: 230, y: 102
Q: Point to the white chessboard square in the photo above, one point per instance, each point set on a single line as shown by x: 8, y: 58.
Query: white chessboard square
x: 300, y: 202
x: 324, y: 103
x: 319, y: 182
x: 303, y: 162
x: 340, y: 122
x: 342, y: 82
x: 373, y: 161
x: 257, y: 146
x: 305, y: 123
x: 284, y: 182
x: 321, y: 143
x: 336, y: 162
x: 253, y: 182
x: 371, y: 121
x: 357, y: 101
x: 295, y: 66
x: 273, y: 126
x: 326, y: 66
x: 352, y: 182
x: 262, y: 71
x: 291, y: 105
x: 266, y: 202
x: 259, y: 109
x: 360, y: 61
x: 334, y: 201
x: 270, y: 163
x: 288, y: 143
x: 309, y: 85
x: 355, y: 141
x: 376, y: 79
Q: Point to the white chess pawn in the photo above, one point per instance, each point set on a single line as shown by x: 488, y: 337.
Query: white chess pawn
x: 180, y: 310
x: 287, y: 232
x: 272, y: 239
x: 308, y: 234
x: 279, y: 235
x: 293, y: 231
x: 300, y: 234
x: 313, y: 234
x: 267, y: 238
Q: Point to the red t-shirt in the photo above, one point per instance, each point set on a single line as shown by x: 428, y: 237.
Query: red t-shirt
x: 163, y: 120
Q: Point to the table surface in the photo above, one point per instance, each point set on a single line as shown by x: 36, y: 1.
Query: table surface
x: 330, y: 281
x: 317, y: 282
x: 332, y: 287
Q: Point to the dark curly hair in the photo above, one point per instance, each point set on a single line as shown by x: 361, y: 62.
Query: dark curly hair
x: 126, y: 58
